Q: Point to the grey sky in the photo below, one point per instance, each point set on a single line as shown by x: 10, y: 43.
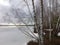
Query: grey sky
x: 6, y: 6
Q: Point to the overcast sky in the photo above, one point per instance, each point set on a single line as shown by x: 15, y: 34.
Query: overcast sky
x: 6, y: 5
x: 4, y: 2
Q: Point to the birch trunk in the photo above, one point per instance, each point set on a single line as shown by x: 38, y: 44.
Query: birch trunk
x: 40, y: 30
x: 38, y: 21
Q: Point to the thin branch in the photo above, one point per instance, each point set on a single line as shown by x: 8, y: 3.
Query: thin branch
x: 28, y: 8
x: 57, y: 22
x: 25, y: 24
x: 25, y: 32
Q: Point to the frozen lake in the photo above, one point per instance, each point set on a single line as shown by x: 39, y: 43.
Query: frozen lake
x: 12, y: 36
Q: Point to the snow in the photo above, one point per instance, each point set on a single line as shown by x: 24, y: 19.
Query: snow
x: 58, y: 34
